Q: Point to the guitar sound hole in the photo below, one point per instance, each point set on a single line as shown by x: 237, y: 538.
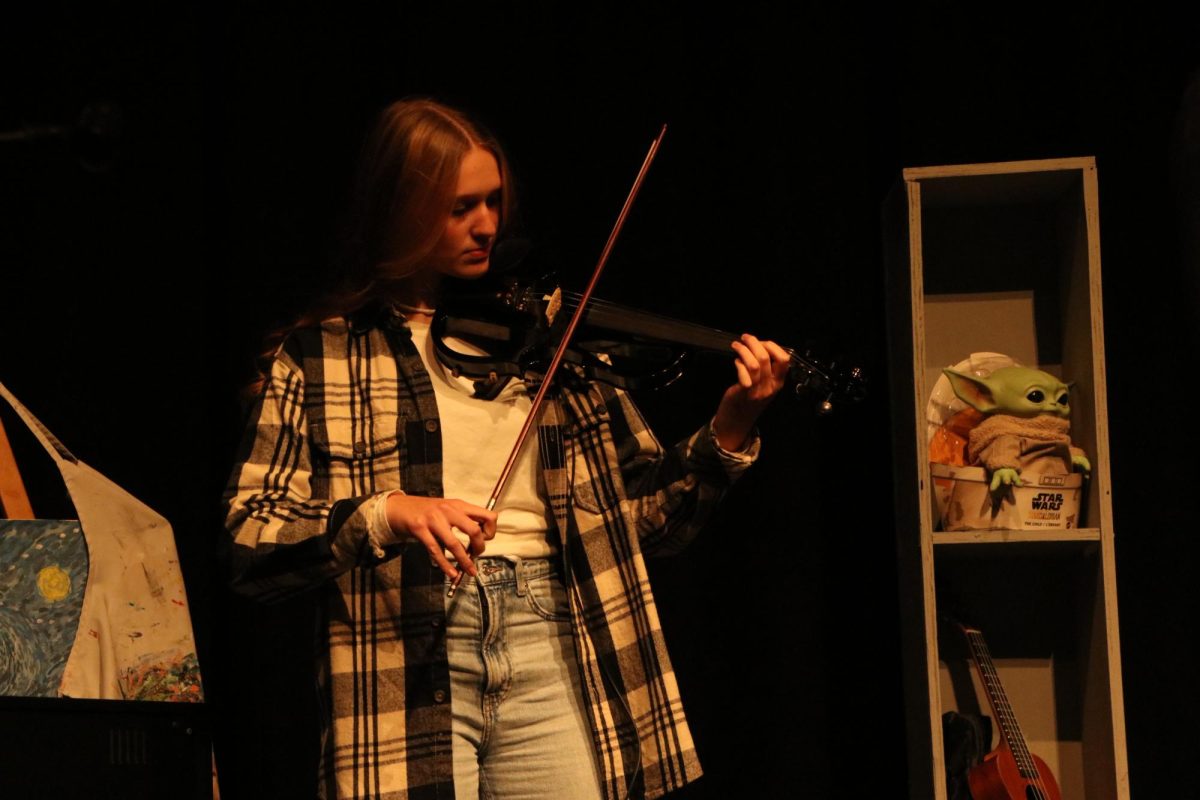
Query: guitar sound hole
x: 1034, y: 793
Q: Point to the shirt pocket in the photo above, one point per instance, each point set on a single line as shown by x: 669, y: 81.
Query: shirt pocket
x: 355, y: 456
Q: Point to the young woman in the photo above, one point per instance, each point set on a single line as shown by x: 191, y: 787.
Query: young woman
x: 363, y: 474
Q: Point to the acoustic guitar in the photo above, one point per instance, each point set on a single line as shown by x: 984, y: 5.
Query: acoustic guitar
x: 1010, y: 772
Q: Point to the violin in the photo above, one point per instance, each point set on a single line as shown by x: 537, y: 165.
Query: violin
x: 517, y: 323
x: 514, y: 333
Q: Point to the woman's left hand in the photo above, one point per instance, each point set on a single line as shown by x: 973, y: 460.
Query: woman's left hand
x: 761, y: 372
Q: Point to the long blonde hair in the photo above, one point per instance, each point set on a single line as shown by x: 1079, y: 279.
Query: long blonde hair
x: 404, y: 188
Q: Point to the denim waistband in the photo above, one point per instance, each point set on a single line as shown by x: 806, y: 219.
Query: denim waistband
x: 499, y: 570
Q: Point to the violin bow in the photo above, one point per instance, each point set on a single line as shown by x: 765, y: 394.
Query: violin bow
x: 540, y: 397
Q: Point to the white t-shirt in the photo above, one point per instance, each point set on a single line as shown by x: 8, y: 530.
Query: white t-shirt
x: 477, y: 436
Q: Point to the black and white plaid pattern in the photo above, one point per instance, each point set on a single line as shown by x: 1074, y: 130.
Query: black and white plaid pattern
x: 349, y: 413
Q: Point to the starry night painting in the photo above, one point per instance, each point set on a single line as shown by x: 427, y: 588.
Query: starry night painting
x: 43, y: 572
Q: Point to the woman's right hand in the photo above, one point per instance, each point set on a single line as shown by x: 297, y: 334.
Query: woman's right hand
x: 432, y: 521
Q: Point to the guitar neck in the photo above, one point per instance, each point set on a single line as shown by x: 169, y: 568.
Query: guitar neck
x: 998, y: 700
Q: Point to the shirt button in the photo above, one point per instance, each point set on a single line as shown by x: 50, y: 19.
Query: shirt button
x: 439, y: 696
x: 437, y: 623
x: 431, y: 425
x: 360, y: 447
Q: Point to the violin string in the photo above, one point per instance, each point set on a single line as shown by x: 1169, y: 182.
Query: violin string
x: 570, y: 301
x: 574, y: 296
x: 805, y: 369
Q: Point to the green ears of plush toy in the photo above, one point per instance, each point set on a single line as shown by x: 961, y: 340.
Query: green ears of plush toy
x: 1019, y: 391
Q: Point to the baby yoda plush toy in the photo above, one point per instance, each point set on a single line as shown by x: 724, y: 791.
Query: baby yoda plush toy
x: 1025, y: 430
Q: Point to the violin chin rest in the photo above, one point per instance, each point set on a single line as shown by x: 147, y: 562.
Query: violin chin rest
x: 490, y: 387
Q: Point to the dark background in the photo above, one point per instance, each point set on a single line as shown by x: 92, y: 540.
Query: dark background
x: 142, y: 266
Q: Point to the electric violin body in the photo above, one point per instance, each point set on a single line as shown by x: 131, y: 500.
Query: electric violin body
x: 517, y: 324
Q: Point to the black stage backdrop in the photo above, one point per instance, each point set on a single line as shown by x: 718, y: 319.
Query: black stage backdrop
x: 143, y: 262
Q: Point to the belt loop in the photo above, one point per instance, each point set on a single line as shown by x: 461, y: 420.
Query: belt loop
x: 520, y: 569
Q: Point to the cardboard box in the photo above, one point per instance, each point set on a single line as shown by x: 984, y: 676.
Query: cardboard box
x: 964, y: 501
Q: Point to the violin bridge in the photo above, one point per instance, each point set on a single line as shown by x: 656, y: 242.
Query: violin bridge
x: 553, y: 305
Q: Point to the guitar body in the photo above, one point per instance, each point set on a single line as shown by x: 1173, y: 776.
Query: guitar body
x: 1010, y: 772
x: 999, y: 778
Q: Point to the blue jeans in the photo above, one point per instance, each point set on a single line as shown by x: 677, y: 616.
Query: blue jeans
x: 519, y: 725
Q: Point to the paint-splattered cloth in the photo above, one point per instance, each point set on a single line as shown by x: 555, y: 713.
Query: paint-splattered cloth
x: 101, y: 600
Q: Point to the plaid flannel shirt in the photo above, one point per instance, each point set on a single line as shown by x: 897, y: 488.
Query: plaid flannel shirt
x: 347, y: 413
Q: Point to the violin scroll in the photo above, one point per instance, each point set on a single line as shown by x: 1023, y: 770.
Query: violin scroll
x: 829, y: 382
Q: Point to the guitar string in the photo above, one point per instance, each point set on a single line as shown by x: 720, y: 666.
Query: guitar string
x: 1026, y: 765
x: 979, y: 646
x: 996, y: 694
